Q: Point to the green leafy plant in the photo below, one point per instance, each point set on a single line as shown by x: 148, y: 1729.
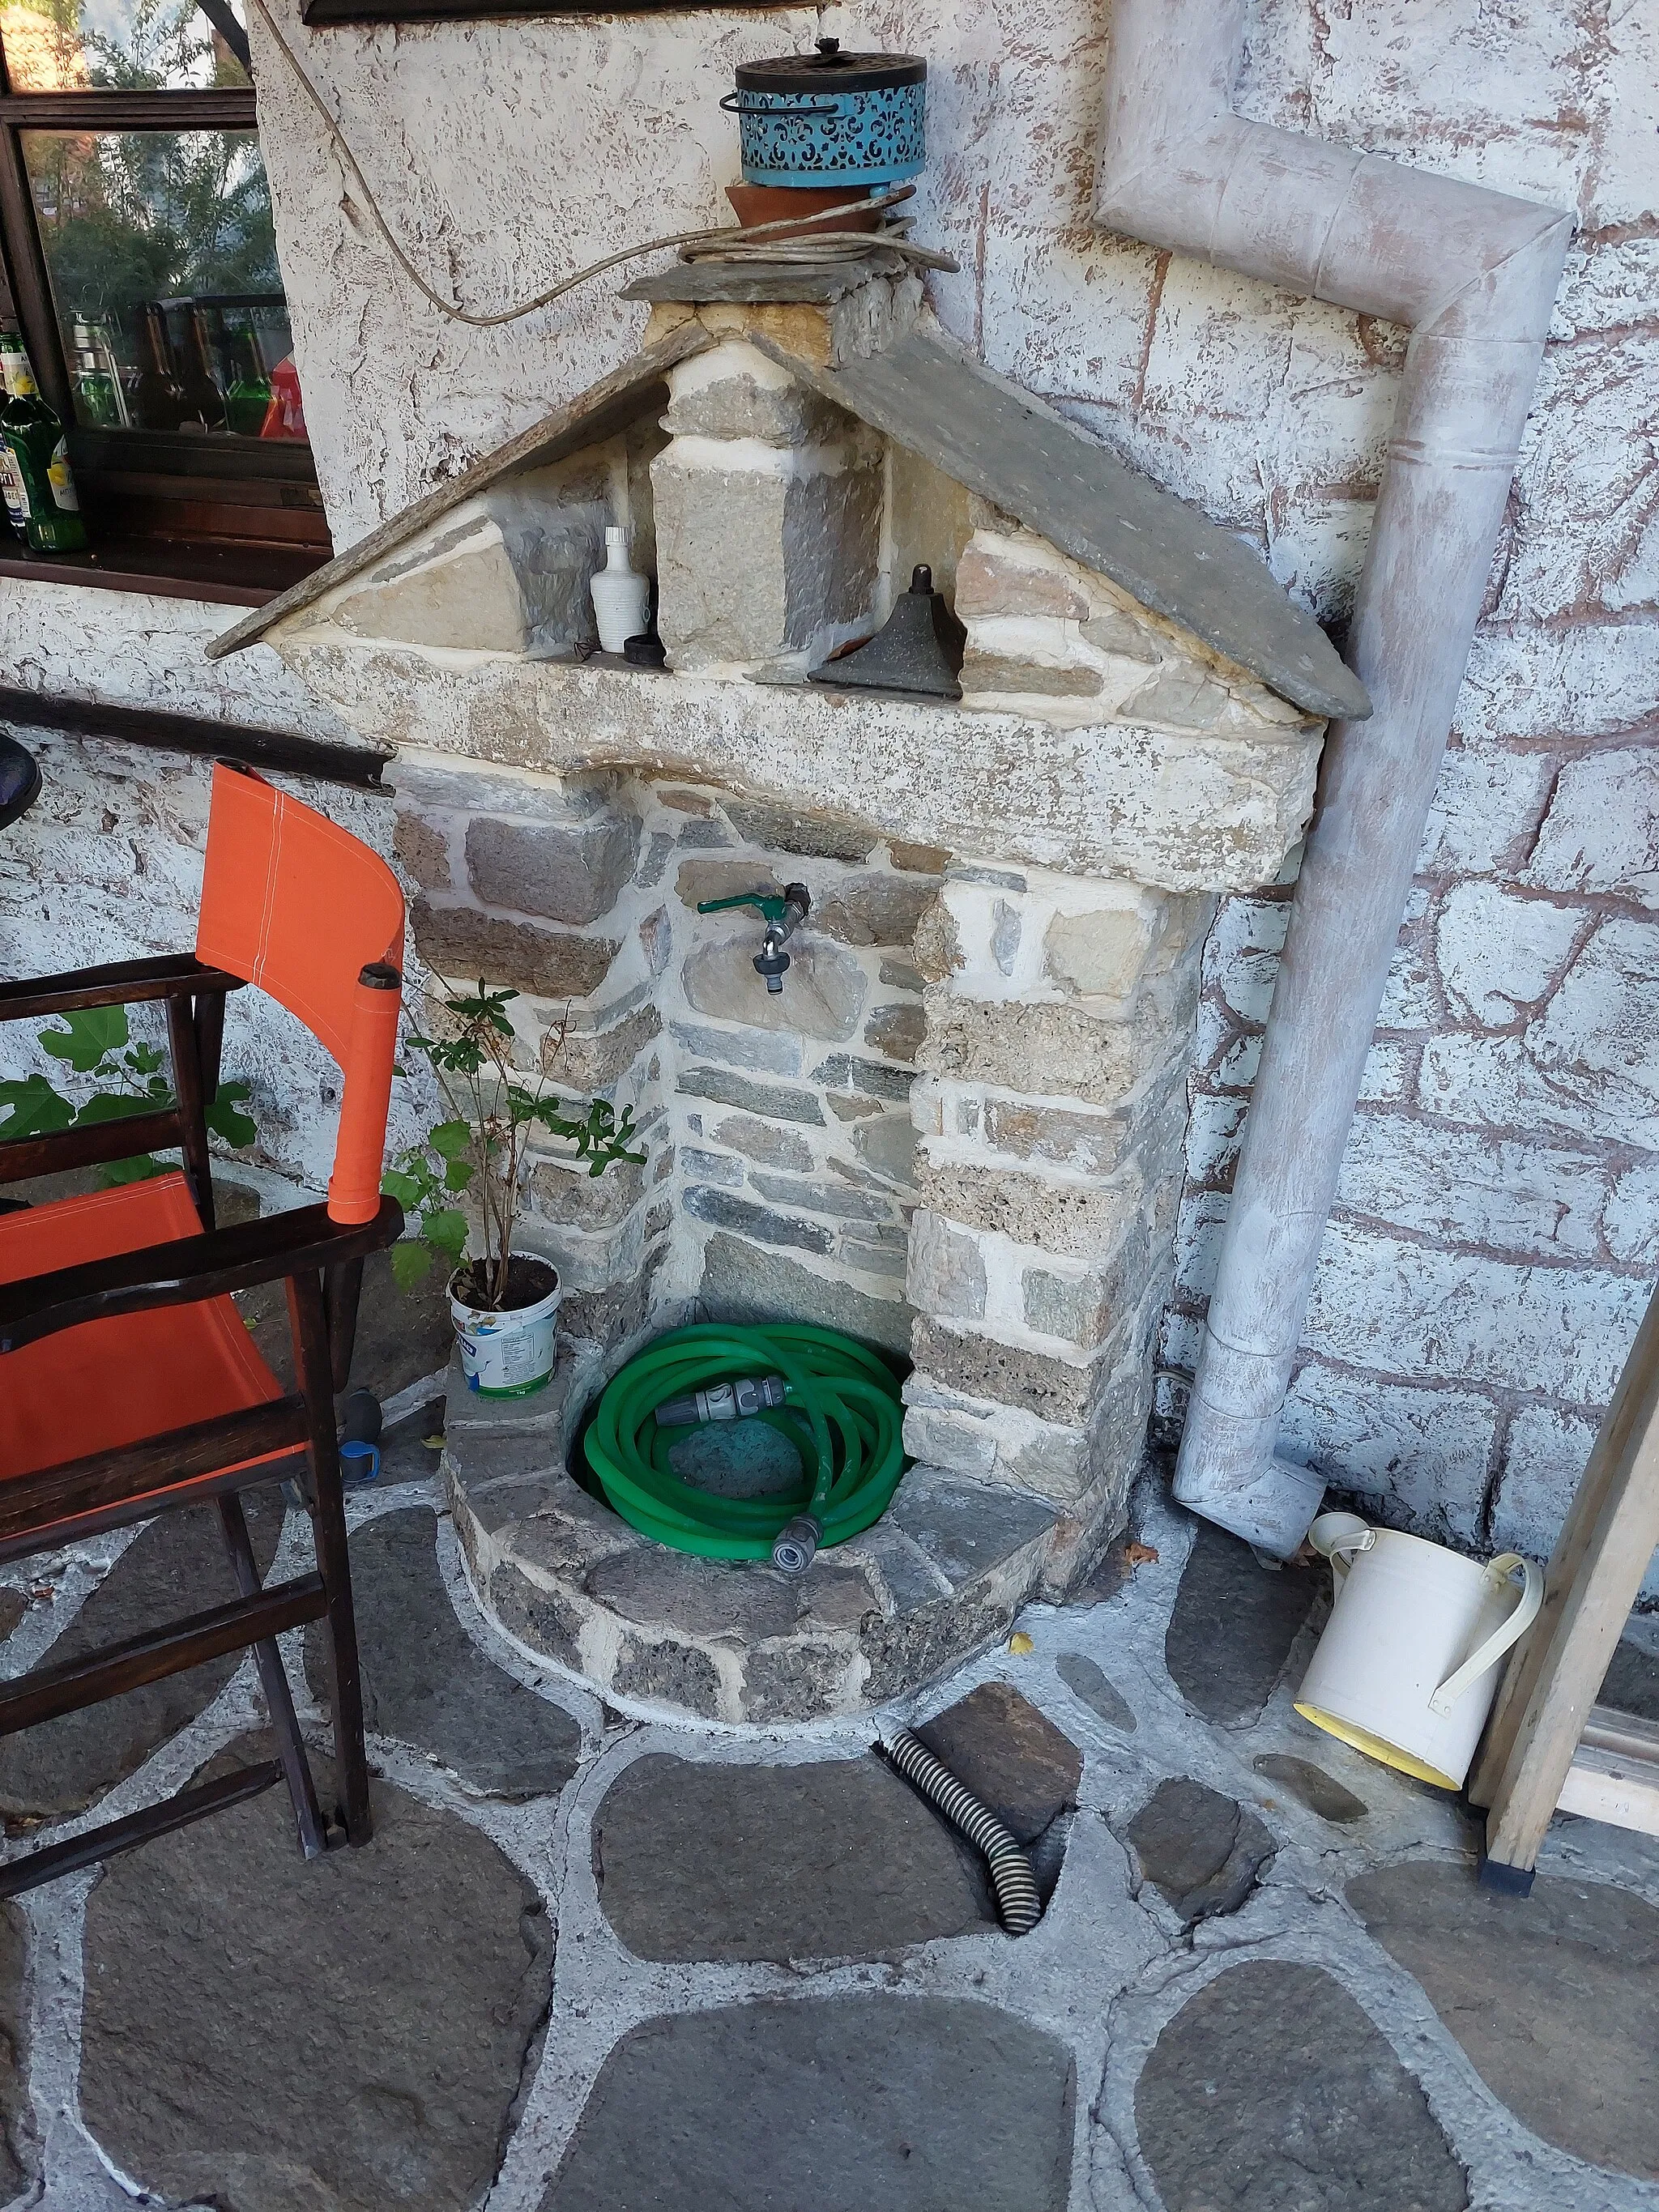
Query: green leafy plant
x: 481, y: 1145
x: 118, y: 1078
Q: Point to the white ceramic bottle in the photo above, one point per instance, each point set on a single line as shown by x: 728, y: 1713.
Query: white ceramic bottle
x: 622, y: 596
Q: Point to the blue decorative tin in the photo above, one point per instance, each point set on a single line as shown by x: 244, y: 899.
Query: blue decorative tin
x: 830, y: 118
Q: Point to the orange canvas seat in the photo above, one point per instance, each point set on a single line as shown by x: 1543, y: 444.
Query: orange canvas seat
x: 115, y: 1382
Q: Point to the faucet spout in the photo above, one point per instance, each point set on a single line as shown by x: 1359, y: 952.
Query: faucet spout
x: 771, y: 961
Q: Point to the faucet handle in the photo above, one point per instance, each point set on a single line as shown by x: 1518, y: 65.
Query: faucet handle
x: 771, y: 904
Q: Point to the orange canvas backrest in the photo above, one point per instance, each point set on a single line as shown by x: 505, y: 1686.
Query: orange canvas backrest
x: 297, y: 906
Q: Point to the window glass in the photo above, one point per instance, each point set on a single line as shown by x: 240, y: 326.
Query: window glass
x: 118, y: 45
x: 162, y: 259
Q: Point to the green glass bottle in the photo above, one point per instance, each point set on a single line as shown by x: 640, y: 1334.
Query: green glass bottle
x: 39, y: 490
x: 248, y: 400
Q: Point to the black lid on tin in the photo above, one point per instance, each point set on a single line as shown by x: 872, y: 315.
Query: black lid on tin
x: 829, y: 69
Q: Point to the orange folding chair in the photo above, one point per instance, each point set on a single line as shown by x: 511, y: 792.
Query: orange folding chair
x: 128, y: 1384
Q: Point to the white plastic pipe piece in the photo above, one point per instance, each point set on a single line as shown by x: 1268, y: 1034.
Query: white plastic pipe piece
x: 1474, y: 274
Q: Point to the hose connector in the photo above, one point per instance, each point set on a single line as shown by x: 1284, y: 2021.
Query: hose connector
x: 796, y: 1544
x: 726, y: 1401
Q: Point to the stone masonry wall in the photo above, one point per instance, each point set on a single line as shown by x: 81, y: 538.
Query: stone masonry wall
x: 779, y: 1175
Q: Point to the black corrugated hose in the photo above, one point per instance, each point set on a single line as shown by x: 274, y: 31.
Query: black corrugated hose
x: 1018, y: 1904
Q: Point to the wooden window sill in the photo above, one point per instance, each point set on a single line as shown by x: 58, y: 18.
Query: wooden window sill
x: 226, y: 575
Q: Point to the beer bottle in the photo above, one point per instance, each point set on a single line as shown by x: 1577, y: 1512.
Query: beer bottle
x: 248, y: 400
x: 158, y: 398
x: 34, y: 468
x: 204, y: 401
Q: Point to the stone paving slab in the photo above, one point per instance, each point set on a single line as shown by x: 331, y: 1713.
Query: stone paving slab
x: 427, y: 1683
x: 1311, y: 1786
x: 1015, y: 1760
x: 864, y: 2103
x: 1199, y: 1848
x: 1270, y: 2091
x: 1233, y: 1624
x: 830, y: 1859
x: 178, y: 1564
x: 1085, y: 1679
x: 1555, y: 1997
x: 271, y: 2035
x: 16, y: 2119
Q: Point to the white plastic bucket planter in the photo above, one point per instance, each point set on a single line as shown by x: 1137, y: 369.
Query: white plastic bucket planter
x: 1408, y: 1665
x: 508, y: 1354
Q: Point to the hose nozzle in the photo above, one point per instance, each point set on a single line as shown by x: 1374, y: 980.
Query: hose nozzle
x: 796, y: 1544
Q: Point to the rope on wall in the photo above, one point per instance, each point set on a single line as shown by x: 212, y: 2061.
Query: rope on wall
x: 724, y: 242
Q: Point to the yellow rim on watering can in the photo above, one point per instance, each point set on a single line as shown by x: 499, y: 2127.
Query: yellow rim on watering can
x: 1378, y: 1747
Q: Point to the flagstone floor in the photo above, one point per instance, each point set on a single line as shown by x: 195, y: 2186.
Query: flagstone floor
x: 597, y: 1961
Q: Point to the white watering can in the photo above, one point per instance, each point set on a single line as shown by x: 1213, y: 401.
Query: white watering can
x: 1408, y: 1665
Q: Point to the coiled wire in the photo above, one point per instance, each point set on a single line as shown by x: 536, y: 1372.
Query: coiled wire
x: 1019, y: 1906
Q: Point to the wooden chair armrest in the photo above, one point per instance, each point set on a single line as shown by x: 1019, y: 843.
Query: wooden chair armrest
x: 189, y: 1268
x: 120, y: 982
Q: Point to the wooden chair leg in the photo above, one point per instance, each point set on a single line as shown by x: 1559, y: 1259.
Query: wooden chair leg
x: 279, y: 1700
x: 311, y: 1351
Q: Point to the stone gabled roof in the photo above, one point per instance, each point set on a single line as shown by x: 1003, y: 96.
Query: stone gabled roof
x: 598, y: 413
x: 926, y: 394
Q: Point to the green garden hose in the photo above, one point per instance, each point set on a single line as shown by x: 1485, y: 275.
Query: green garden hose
x: 841, y: 1414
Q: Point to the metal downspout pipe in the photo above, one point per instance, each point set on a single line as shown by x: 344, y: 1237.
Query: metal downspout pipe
x: 1473, y: 274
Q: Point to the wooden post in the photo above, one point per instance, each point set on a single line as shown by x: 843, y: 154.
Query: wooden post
x: 1591, y: 1583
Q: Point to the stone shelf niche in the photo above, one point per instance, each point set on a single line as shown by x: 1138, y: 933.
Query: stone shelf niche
x: 957, y: 1132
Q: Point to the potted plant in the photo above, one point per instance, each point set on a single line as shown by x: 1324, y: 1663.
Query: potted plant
x: 504, y: 1302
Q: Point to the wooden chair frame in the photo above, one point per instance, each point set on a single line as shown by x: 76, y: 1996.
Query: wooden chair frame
x: 321, y: 1263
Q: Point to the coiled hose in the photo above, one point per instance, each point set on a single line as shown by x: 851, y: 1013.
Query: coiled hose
x: 841, y: 1414
x: 1018, y: 1905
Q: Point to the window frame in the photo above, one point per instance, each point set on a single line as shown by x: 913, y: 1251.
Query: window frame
x: 249, y: 519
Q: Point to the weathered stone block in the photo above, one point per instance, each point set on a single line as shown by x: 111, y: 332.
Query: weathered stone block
x: 947, y: 1269
x: 991, y: 579
x: 424, y: 850
x: 726, y: 1211
x: 895, y: 1032
x: 777, y: 1148
x: 981, y: 1367
x: 461, y: 943
x: 1076, y: 1308
x: 918, y: 860
x: 1092, y: 1144
x: 889, y: 1145
x: 568, y: 871
x: 739, y: 1047
x: 769, y: 1099
x: 1083, y: 1220
x: 843, y: 1070
x: 817, y: 836
x: 838, y: 1199
x: 742, y: 1282
x: 823, y: 994
x: 576, y: 1199
x: 1101, y: 954
x: 996, y: 675
x: 759, y: 560
x: 1042, y: 1049
x: 592, y: 1060
x: 1499, y: 953
x: 874, y: 910
x: 696, y: 880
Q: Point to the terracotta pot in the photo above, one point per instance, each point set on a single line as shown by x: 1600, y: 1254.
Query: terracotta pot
x: 754, y: 203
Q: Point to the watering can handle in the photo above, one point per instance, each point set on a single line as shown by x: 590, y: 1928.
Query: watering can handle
x: 1336, y: 1535
x: 1511, y: 1631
